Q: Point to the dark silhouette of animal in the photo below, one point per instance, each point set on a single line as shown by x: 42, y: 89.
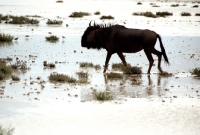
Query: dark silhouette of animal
x: 119, y: 39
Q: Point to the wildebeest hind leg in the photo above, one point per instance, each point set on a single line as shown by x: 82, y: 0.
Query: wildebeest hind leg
x: 122, y: 58
x: 107, y: 61
x: 150, y: 58
x: 159, y: 54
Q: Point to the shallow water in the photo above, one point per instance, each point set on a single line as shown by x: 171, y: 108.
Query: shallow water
x: 27, y: 104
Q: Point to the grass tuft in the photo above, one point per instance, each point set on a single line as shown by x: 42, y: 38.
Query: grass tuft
x: 196, y: 72
x: 79, y: 14
x: 185, y: 14
x: 22, y: 20
x: 97, y: 13
x: 5, y: 37
x: 5, y: 71
x: 106, y: 17
x: 6, y: 131
x: 132, y: 70
x: 174, y: 5
x: 15, y: 78
x: 113, y: 75
x: 97, y: 67
x: 54, y: 22
x: 56, y: 77
x: 52, y: 38
x: 103, y: 96
x: 163, y: 14
x: 83, y: 77
x: 86, y: 65
x: 197, y: 14
x: 146, y: 14
x: 195, y: 6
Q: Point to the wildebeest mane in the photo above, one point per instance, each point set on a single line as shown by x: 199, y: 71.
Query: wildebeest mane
x: 99, y: 33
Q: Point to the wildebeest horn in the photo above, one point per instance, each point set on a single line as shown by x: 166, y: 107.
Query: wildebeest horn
x: 90, y: 23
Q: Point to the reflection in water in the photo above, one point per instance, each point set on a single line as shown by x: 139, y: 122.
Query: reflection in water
x: 135, y: 87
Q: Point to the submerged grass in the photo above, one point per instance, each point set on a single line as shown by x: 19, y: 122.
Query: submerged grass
x: 56, y: 77
x: 5, y: 37
x: 196, y: 72
x: 146, y: 14
x: 5, y: 71
x: 6, y: 131
x: 54, y: 22
x: 106, y: 17
x: 185, y: 14
x: 79, y: 14
x: 113, y: 75
x: 86, y: 65
x: 15, y: 78
x: 22, y: 20
x: 132, y: 70
x: 103, y: 96
x: 52, y: 38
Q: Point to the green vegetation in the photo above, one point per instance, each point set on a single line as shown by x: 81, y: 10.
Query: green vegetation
x: 132, y: 70
x: 5, y: 71
x: 86, y: 65
x: 5, y: 37
x: 163, y: 14
x: 79, y: 14
x: 15, y: 78
x: 52, y: 38
x: 118, y: 66
x: 3, y: 17
x: 97, y: 13
x: 165, y: 74
x: 106, y: 17
x: 146, y: 14
x: 103, y: 96
x: 114, y: 75
x: 6, y: 131
x: 54, y: 22
x: 56, y: 77
x: 22, y: 20
x: 139, y: 3
x: 49, y: 65
x: 136, y: 81
x: 196, y: 72
x: 185, y: 14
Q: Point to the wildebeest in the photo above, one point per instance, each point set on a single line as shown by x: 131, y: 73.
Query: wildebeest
x: 119, y: 39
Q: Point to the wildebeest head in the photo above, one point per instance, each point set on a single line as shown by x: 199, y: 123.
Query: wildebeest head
x: 93, y: 37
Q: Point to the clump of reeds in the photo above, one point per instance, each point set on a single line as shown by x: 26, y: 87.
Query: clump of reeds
x: 118, y: 66
x: 165, y: 74
x: 54, y: 22
x: 139, y: 3
x: 132, y: 70
x: 146, y: 14
x: 97, y: 67
x: 20, y: 64
x: 163, y: 14
x: 103, y: 96
x: 5, y: 37
x: 6, y: 131
x: 79, y: 14
x: 113, y: 75
x: 56, y: 77
x: 97, y: 13
x: 15, y: 78
x: 185, y: 14
x: 49, y: 65
x: 196, y: 72
x: 52, y: 38
x: 106, y: 17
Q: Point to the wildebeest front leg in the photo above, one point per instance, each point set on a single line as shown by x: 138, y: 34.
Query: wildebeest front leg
x: 122, y: 58
x: 107, y: 60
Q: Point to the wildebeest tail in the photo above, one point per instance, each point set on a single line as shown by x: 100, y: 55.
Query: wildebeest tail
x: 163, y: 49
